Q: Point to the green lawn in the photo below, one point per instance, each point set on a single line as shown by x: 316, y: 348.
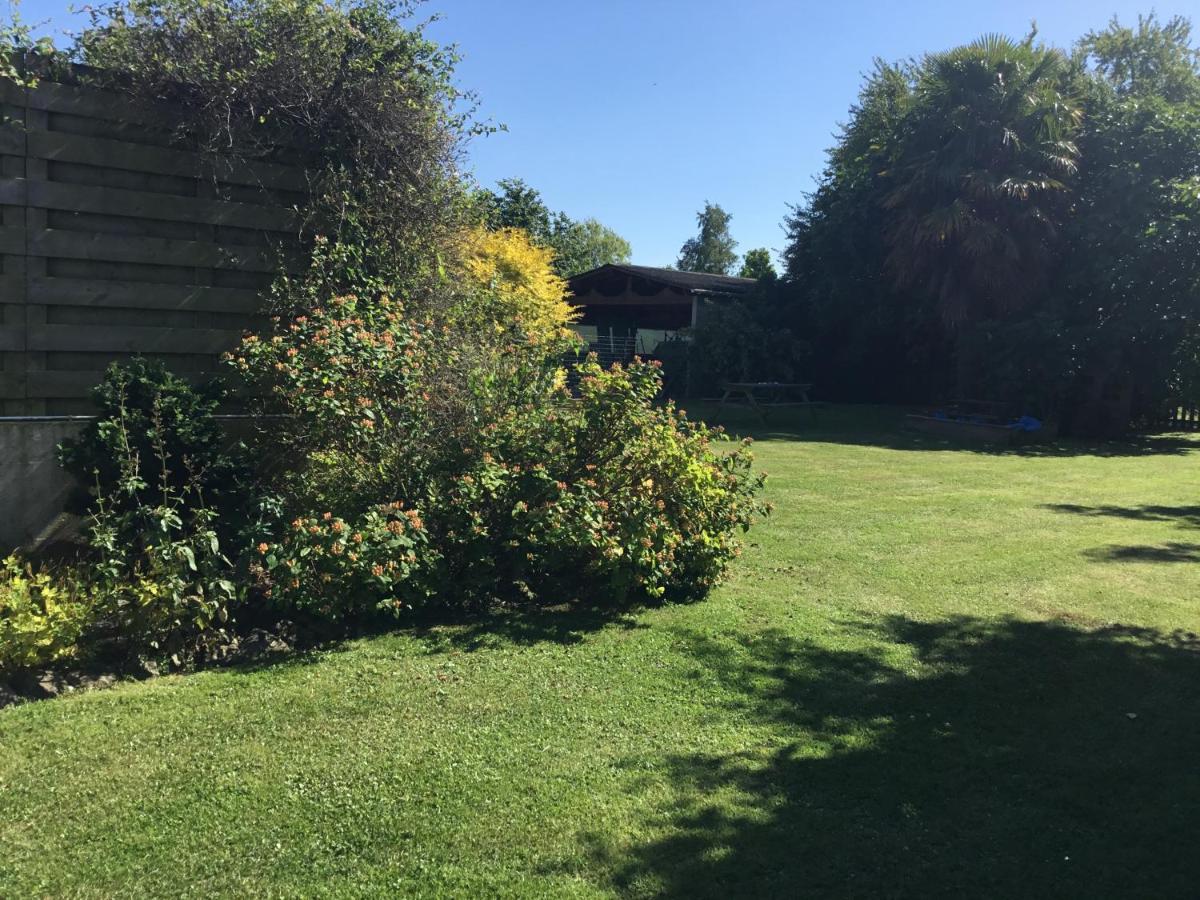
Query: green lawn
x: 935, y: 671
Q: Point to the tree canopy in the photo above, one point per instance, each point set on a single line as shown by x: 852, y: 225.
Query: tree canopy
x: 712, y: 249
x: 1011, y: 221
x: 578, y: 246
x: 757, y: 264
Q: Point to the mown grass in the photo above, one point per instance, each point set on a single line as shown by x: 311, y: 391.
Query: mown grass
x: 936, y: 671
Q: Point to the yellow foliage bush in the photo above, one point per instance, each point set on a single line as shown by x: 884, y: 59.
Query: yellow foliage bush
x: 518, y: 282
x: 41, y: 616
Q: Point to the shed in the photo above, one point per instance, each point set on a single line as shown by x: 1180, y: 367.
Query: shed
x: 627, y: 310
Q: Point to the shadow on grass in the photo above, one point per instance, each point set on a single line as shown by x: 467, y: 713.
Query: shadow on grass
x: 1014, y: 759
x: 1184, y: 516
x: 444, y: 631
x: 876, y: 426
x: 1172, y: 552
x: 565, y: 624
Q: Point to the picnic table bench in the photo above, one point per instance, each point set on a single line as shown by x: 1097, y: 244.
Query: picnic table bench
x: 762, y: 396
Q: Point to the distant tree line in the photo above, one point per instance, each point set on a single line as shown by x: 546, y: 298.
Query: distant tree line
x: 1006, y: 220
x: 1003, y: 220
x: 578, y: 245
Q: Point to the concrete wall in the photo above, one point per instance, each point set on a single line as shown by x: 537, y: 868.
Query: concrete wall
x: 33, y: 488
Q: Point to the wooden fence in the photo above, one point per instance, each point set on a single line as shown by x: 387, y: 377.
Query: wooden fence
x: 115, y: 241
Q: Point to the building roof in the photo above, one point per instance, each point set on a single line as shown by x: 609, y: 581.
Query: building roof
x: 688, y: 282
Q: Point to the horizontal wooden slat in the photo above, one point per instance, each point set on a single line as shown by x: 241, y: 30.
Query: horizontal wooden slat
x: 11, y: 92
x: 87, y: 101
x: 12, y: 240
x: 45, y: 385
x: 12, y: 386
x: 12, y: 140
x: 143, y: 184
x: 11, y: 338
x: 158, y: 160
x: 12, y: 289
x: 146, y: 205
x: 98, y: 104
x: 76, y: 384
x: 153, y: 251
x: 130, y: 339
x: 142, y: 295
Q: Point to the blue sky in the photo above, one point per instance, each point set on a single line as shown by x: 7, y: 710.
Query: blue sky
x: 638, y: 112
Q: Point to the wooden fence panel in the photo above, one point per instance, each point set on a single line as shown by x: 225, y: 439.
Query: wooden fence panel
x: 115, y: 242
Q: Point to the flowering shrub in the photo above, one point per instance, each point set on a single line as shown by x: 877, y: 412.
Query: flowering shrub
x: 604, y: 497
x: 497, y: 488
x: 347, y: 380
x: 429, y: 452
x: 333, y: 568
x: 41, y: 616
x: 376, y: 396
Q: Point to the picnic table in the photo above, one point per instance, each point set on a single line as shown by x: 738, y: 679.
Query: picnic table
x: 762, y: 396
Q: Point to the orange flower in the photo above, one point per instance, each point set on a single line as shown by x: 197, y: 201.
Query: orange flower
x: 263, y: 548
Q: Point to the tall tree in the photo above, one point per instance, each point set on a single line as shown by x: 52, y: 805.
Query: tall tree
x: 1131, y: 275
x: 712, y: 249
x: 578, y: 245
x: 583, y: 246
x: 516, y: 205
x: 1153, y: 60
x: 980, y: 177
x: 870, y: 341
x: 757, y: 264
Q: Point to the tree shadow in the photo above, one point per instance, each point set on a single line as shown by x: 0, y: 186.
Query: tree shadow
x: 1005, y: 759
x: 874, y: 426
x: 1184, y: 516
x: 1172, y: 552
x: 562, y: 624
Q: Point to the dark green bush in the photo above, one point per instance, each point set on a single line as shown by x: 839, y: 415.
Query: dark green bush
x: 163, y: 493
x: 168, y: 427
x: 732, y: 342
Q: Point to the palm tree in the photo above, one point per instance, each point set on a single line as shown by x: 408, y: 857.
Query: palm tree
x: 979, y: 175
